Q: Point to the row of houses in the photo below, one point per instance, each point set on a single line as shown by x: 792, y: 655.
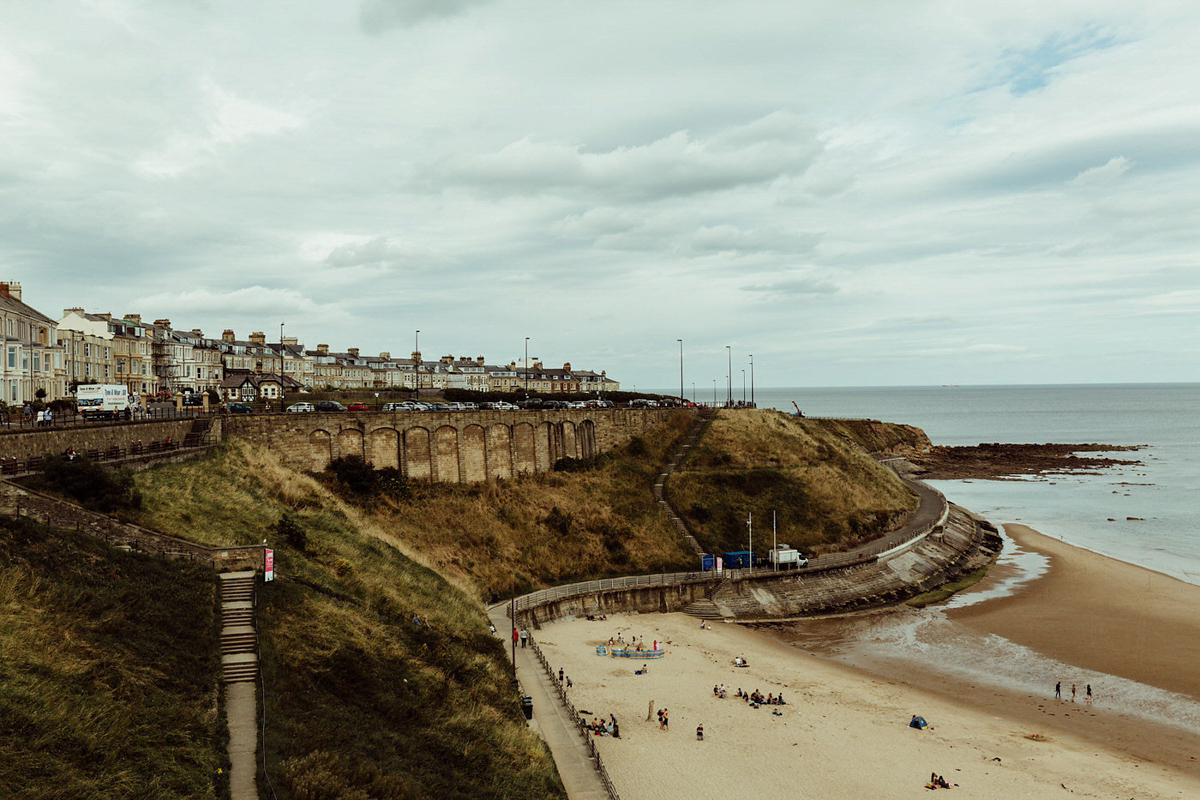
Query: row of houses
x: 153, y: 357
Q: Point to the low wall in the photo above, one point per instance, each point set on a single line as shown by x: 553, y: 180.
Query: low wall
x: 28, y: 443
x: 16, y: 500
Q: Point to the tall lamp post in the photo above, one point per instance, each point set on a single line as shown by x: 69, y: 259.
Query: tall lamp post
x: 681, y: 397
x: 526, y: 367
x: 417, y: 362
x: 729, y: 378
x: 714, y: 392
x: 693, y: 392
x: 743, y: 387
x: 752, y: 380
x: 281, y: 366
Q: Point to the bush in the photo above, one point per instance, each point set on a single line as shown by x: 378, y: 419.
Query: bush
x: 90, y: 484
x: 290, y: 531
x: 356, y: 475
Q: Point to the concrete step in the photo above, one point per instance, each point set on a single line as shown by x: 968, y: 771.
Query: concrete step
x: 703, y: 609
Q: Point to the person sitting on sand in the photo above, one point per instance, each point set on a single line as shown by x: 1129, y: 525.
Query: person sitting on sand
x: 716, y: 690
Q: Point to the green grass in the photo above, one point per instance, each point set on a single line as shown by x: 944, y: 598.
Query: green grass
x: 826, y: 492
x: 109, y: 681
x: 360, y: 701
x: 946, y: 591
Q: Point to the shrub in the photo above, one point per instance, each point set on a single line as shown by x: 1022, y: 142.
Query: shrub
x: 291, y: 532
x: 356, y: 475
x: 90, y: 484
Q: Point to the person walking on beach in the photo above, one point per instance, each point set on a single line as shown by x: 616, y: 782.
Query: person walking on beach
x: 1072, y: 693
x: 1058, y: 691
x: 666, y: 723
x: 661, y: 722
x: 560, y: 674
x: 1089, y: 694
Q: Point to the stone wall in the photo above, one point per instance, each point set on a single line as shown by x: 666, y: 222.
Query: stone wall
x: 454, y: 447
x: 15, y: 500
x: 23, y: 444
x: 963, y: 544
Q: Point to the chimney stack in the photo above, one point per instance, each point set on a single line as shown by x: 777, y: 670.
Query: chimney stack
x: 386, y: 356
x: 258, y: 337
x: 134, y: 318
x: 163, y: 323
x: 323, y: 349
x: 11, y: 289
x: 352, y: 351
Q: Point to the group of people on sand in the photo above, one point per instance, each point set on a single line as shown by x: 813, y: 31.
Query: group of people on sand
x: 1058, y: 692
x: 756, y: 699
x: 719, y: 691
x: 638, y: 643
x: 600, y: 726
x: 597, y: 617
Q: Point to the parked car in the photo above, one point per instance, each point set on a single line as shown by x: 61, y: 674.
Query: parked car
x: 301, y: 407
x: 441, y: 407
x: 358, y: 407
x: 504, y: 405
x: 401, y: 406
x: 330, y: 405
x: 239, y: 408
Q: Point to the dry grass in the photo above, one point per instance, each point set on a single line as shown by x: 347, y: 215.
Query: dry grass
x: 827, y: 493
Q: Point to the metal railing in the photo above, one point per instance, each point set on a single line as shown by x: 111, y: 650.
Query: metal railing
x: 543, y: 596
x: 579, y: 722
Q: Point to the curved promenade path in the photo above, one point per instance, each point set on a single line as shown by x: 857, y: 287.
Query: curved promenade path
x: 551, y: 719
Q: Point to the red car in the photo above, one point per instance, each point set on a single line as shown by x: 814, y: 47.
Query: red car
x: 357, y: 407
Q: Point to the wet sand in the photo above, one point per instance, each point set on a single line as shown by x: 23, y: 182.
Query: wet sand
x: 844, y: 734
x: 1101, y: 614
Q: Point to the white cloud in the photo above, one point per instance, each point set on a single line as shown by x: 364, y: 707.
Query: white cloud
x: 1115, y: 167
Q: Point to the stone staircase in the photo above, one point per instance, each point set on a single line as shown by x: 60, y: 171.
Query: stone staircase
x: 199, y: 432
x: 239, y: 646
x: 703, y: 609
x: 702, y: 419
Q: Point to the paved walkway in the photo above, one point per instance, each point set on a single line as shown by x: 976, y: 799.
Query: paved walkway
x: 550, y: 718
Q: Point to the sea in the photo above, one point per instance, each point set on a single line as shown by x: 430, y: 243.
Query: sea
x: 1144, y: 514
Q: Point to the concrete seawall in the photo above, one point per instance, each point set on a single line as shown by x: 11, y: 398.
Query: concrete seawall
x: 963, y: 544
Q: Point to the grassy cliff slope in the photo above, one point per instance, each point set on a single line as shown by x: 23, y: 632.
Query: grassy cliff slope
x: 494, y: 538
x: 827, y: 492
x: 109, y: 681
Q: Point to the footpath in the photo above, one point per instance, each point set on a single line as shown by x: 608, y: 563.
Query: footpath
x: 551, y: 721
x: 239, y: 667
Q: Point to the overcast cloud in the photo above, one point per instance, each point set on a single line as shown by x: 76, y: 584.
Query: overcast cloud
x: 856, y: 193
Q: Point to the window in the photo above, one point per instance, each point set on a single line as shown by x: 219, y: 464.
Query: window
x: 12, y: 358
x: 120, y: 366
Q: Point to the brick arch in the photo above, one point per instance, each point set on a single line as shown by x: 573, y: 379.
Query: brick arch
x: 383, y: 449
x: 445, y: 454
x: 418, y: 463
x: 320, y: 450
x: 524, y: 449
x: 474, y: 454
x: 350, y: 443
x: 585, y: 435
x: 499, y: 452
x: 570, y: 448
x: 548, y: 443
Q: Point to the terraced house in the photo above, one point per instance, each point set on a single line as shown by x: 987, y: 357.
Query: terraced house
x: 32, y: 359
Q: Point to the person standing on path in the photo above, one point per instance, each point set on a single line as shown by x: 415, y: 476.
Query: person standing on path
x: 1072, y: 693
x: 524, y: 637
x: 560, y: 674
x: 516, y: 636
x: 1058, y: 691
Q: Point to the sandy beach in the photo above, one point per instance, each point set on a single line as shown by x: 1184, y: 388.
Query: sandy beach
x: 844, y: 731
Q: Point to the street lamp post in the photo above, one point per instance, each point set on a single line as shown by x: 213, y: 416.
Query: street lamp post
x: 693, y: 392
x: 743, y: 387
x: 729, y: 378
x: 714, y: 392
x: 526, y: 367
x: 281, y: 366
x: 417, y: 363
x: 752, y: 379
x: 681, y: 397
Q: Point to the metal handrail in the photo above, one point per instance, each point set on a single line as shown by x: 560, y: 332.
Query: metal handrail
x: 578, y: 721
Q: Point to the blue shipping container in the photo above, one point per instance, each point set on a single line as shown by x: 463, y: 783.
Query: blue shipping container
x: 738, y: 559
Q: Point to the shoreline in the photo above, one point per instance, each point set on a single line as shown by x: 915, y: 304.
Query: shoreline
x: 841, y: 716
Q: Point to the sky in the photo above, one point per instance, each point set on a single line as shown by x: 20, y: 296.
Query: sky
x: 860, y: 193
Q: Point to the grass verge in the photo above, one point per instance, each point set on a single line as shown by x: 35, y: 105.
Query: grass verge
x: 109, y: 681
